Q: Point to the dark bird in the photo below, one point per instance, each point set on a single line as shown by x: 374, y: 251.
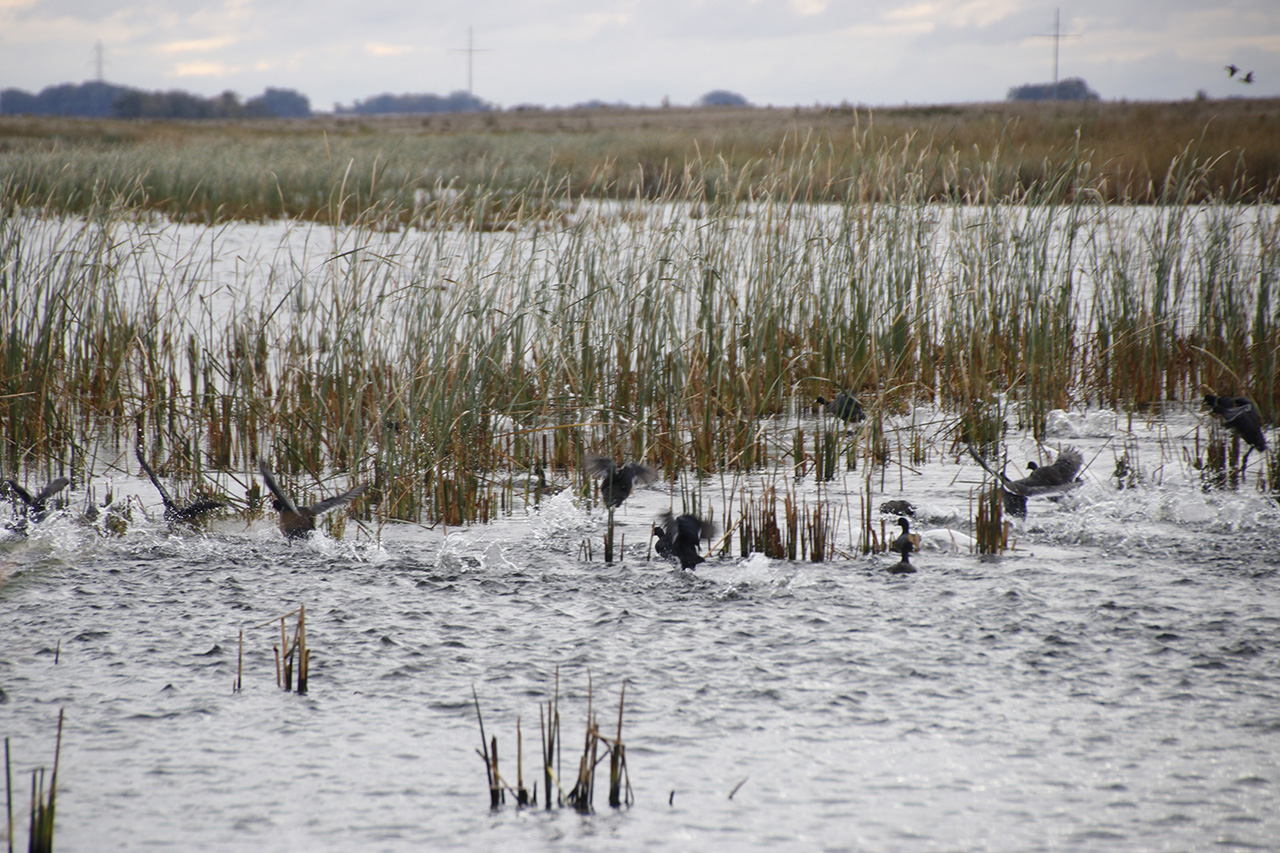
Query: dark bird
x: 678, y: 538
x: 1232, y: 69
x: 906, y: 541
x: 1241, y: 416
x: 189, y: 514
x: 1055, y: 479
x: 903, y: 566
x: 36, y: 507
x: 296, y: 521
x: 616, y: 483
x: 1248, y: 78
x: 897, y: 506
x: 845, y: 407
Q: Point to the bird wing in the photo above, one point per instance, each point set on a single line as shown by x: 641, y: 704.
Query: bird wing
x: 329, y: 503
x: 52, y: 489
x: 640, y: 473
x: 22, y: 493
x: 695, y: 528
x: 275, y: 487
x: 164, y: 496
x: 599, y: 465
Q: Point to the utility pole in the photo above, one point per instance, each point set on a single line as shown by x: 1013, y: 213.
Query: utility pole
x: 470, y: 50
x: 97, y: 56
x: 1057, y: 35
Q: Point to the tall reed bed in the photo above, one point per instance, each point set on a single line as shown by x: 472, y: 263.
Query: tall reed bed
x: 437, y: 359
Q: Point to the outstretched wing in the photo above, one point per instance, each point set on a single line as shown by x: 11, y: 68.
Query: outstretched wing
x: 270, y: 480
x: 329, y: 503
x: 164, y: 496
x: 52, y: 489
x: 22, y: 493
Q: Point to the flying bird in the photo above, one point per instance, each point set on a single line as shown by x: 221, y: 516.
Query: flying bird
x: 1232, y: 69
x: 1248, y: 78
x: 191, y: 513
x: 679, y: 537
x: 296, y: 521
x: 616, y: 483
x: 845, y: 407
x: 1055, y: 479
x: 1241, y: 416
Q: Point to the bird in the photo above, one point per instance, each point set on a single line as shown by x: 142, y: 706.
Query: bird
x: 1248, y: 78
x: 1058, y: 478
x: 898, y: 506
x: 903, y: 545
x: 1232, y: 69
x: 36, y: 507
x: 616, y: 483
x: 678, y: 538
x: 296, y: 521
x: 1241, y: 416
x: 906, y: 541
x: 191, y: 513
x: 845, y: 407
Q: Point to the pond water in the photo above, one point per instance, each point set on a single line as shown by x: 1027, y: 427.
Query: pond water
x: 1113, y: 682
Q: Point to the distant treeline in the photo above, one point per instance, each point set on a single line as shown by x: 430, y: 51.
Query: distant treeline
x: 457, y: 102
x: 105, y: 100
x: 1071, y: 89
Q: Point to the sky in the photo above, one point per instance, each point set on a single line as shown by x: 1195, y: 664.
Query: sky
x: 642, y: 52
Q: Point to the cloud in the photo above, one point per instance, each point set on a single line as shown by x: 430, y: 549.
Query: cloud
x: 202, y: 69
x: 197, y: 45
x: 378, y: 48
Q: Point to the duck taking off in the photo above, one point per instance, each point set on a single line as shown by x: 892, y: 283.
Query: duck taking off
x: 36, y: 507
x: 679, y: 537
x: 172, y: 512
x: 1056, y: 479
x: 1241, y: 416
x: 298, y: 521
x: 616, y: 483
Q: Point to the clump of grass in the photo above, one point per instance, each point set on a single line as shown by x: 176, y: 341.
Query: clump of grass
x: 293, y: 657
x: 991, y: 531
x: 43, y: 801
x: 581, y: 796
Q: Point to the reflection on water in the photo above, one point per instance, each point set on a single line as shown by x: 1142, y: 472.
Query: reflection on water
x: 1111, y: 683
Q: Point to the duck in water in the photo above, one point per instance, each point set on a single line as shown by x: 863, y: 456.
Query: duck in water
x: 617, y: 483
x: 173, y: 513
x: 679, y: 537
x: 1060, y: 477
x: 296, y: 521
x: 845, y: 407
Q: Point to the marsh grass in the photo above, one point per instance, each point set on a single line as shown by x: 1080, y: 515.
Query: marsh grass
x: 680, y: 325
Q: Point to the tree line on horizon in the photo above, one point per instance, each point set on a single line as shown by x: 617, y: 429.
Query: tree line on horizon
x: 96, y: 99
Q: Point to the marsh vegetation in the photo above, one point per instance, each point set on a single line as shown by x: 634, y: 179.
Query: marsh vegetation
x: 441, y: 310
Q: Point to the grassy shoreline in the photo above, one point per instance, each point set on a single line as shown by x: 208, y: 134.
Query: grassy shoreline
x: 333, y: 169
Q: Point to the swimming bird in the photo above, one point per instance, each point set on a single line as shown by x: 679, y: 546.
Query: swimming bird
x: 679, y: 537
x: 845, y: 407
x: 298, y: 521
x: 616, y: 483
x: 898, y: 506
x: 1241, y: 416
x: 906, y: 541
x: 191, y: 513
x: 904, y: 546
x: 37, y: 507
x: 1055, y: 479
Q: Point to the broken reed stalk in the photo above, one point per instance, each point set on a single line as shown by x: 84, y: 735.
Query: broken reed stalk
x: 8, y: 795
x: 490, y: 759
x: 608, y: 539
x: 991, y: 532
x: 291, y: 655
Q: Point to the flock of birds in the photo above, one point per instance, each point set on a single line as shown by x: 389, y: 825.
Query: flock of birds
x: 1233, y: 70
x: 676, y: 538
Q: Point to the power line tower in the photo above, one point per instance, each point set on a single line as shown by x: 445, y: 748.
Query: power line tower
x: 1057, y: 35
x: 98, y: 62
x: 470, y: 50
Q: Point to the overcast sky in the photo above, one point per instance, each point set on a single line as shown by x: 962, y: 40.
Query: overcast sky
x: 562, y: 52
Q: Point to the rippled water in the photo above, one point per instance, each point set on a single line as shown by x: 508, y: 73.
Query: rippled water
x: 1112, y: 683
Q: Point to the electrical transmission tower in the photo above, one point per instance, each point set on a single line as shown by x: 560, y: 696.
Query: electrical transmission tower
x: 1057, y: 35
x: 470, y: 50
